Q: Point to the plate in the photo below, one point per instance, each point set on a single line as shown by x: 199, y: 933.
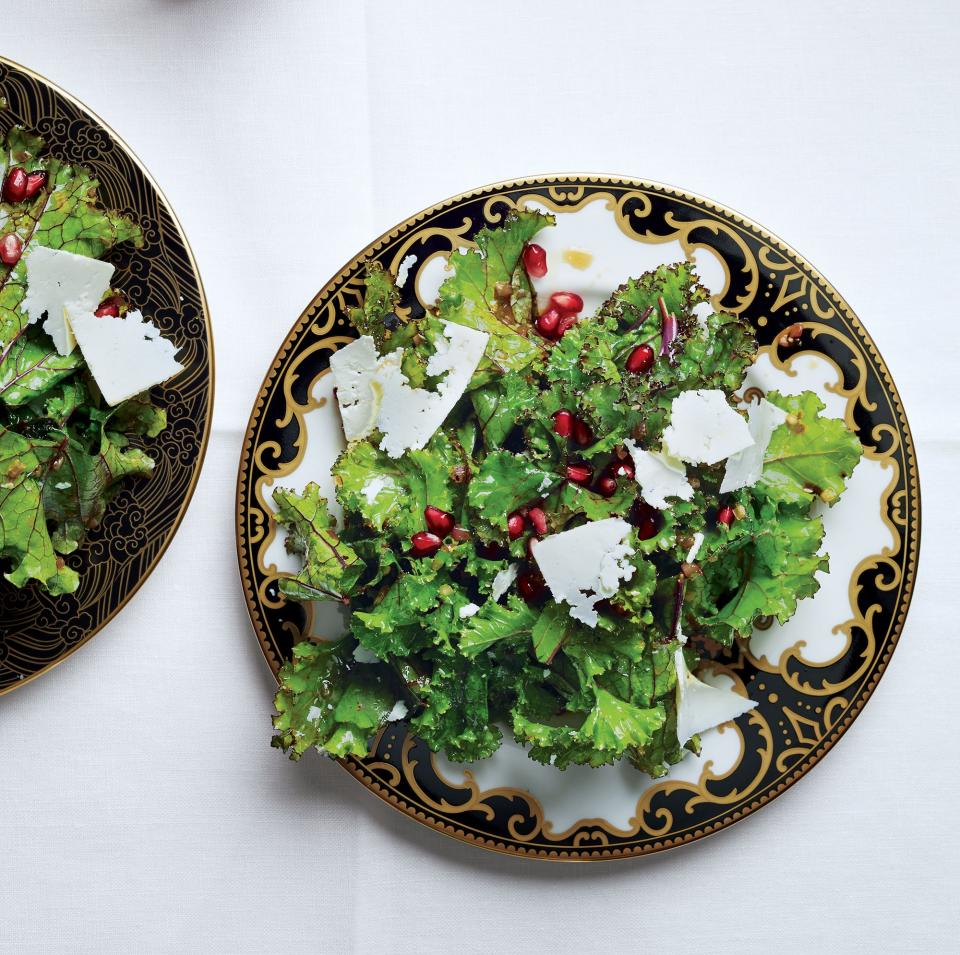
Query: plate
x: 810, y: 678
x: 38, y: 631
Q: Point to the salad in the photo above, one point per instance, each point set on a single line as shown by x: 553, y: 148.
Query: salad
x: 549, y: 517
x: 76, y: 361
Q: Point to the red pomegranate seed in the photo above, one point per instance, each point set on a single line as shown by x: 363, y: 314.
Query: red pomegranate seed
x: 567, y: 302
x: 35, y: 182
x: 11, y: 248
x: 15, y: 185
x: 460, y: 534
x: 725, y: 516
x: 440, y: 522
x: 582, y: 433
x: 515, y: 525
x: 548, y: 323
x: 622, y: 469
x: 566, y: 323
x: 535, y: 260
x: 530, y: 586
x: 579, y: 473
x: 648, y: 521
x: 563, y: 423
x: 538, y: 519
x: 607, y: 485
x: 640, y: 359
x: 109, y: 307
x: 425, y: 544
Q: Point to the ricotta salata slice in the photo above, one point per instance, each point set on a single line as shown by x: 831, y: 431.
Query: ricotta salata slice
x: 703, y: 428
x: 701, y: 707
x: 659, y: 475
x: 374, y: 393
x: 745, y: 467
x: 503, y: 581
x: 64, y: 286
x: 126, y: 355
x: 586, y: 565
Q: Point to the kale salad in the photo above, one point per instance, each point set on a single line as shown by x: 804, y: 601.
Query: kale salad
x: 76, y: 361
x: 544, y: 518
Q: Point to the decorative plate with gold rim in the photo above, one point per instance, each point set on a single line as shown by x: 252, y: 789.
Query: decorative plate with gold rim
x: 810, y: 677
x: 38, y: 630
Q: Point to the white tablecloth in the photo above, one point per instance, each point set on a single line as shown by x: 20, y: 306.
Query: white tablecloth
x: 142, y: 808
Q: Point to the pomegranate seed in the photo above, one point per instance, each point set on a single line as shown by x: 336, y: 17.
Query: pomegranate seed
x: 535, y: 260
x: 648, y: 521
x: 15, y: 185
x: 11, y: 248
x: 460, y: 534
x: 538, y: 519
x: 548, y: 323
x: 607, y: 485
x: 109, y: 307
x: 440, y: 522
x: 567, y: 302
x: 563, y: 423
x: 622, y: 469
x: 425, y: 544
x: 566, y: 323
x: 581, y: 432
x: 515, y: 525
x: 579, y: 473
x: 35, y: 182
x: 725, y: 516
x: 640, y: 359
x: 530, y: 586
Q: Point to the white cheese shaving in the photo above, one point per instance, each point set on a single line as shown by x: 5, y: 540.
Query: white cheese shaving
x: 373, y: 392
x: 313, y: 714
x: 362, y: 655
x: 659, y: 476
x: 404, y: 271
x: 695, y: 549
x: 63, y: 285
x: 704, y: 429
x: 468, y: 610
x: 586, y: 565
x: 700, y: 706
x: 745, y: 467
x: 503, y: 581
x: 398, y: 712
x: 126, y: 356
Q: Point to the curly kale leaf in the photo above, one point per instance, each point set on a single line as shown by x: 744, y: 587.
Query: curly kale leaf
x: 472, y: 296
x: 330, y: 702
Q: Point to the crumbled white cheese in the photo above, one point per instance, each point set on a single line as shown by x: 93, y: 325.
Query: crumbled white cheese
x: 700, y: 706
x: 704, y: 429
x: 585, y: 565
x: 659, y: 476
x: 404, y: 270
x: 362, y: 655
x: 313, y: 714
x: 398, y: 712
x: 745, y: 467
x: 695, y: 549
x: 468, y: 610
x: 63, y: 285
x: 375, y: 485
x: 126, y: 356
x: 503, y: 581
x: 373, y: 392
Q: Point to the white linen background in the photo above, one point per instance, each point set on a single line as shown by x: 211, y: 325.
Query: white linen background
x: 143, y: 809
